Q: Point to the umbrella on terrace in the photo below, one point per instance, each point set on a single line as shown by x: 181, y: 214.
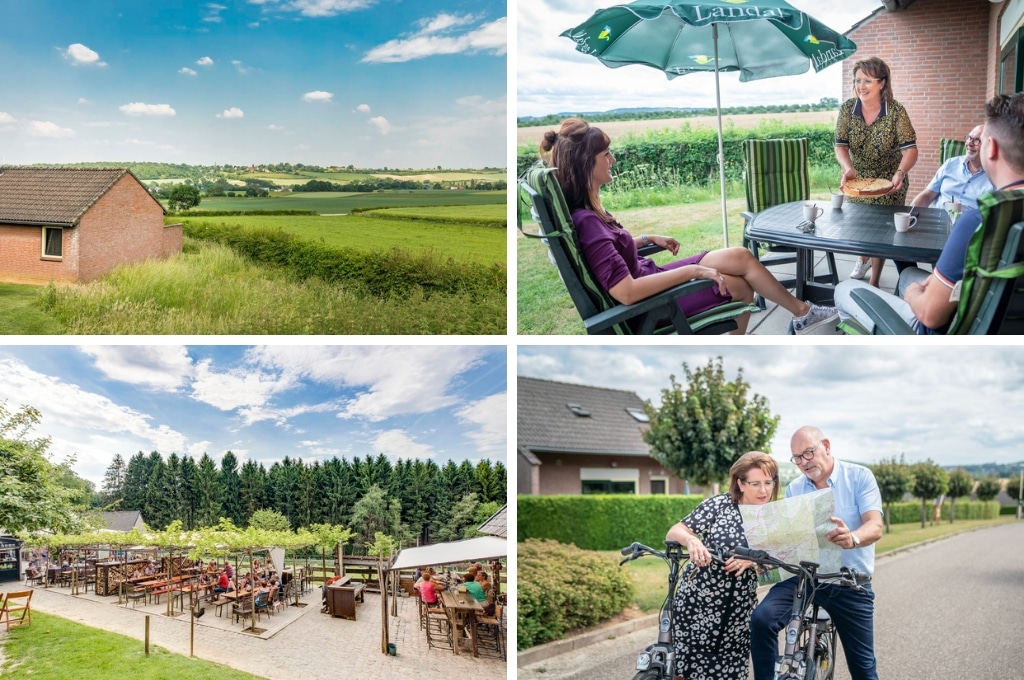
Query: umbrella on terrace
x: 758, y: 38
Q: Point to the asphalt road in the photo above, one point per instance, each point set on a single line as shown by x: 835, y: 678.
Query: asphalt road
x: 953, y: 609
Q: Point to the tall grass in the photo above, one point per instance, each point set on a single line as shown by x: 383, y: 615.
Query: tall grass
x: 210, y: 289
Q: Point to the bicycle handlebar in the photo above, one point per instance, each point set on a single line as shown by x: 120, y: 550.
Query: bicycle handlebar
x: 846, y: 576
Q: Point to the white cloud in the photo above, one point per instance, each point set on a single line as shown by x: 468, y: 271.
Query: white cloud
x: 397, y: 444
x: 44, y: 128
x: 276, y: 128
x: 205, y: 61
x: 318, y: 96
x: 236, y: 388
x: 161, y: 367
x: 363, y: 108
x: 6, y: 118
x: 80, y: 55
x: 197, y: 449
x: 381, y: 123
x: 490, y: 417
x: 233, y: 112
x: 240, y: 67
x: 185, y: 70
x: 441, y: 35
x: 320, y: 8
x: 140, y: 109
x: 213, y: 13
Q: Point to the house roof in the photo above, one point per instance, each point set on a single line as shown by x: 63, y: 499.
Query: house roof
x: 496, y: 525
x: 600, y: 422
x: 122, y: 520
x: 57, y: 196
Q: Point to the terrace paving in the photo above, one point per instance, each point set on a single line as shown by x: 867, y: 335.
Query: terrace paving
x: 298, y: 642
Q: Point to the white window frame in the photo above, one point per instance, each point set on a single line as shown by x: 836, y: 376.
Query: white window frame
x: 55, y: 258
x: 612, y: 475
x: 662, y: 478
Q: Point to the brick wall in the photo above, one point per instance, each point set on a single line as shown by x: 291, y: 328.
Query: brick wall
x: 21, y: 260
x: 938, y: 53
x: 172, y: 239
x: 560, y: 473
x: 124, y: 227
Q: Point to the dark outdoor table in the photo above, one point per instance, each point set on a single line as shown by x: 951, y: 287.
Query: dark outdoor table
x: 857, y: 229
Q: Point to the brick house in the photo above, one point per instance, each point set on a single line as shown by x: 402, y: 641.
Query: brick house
x: 574, y: 439
x: 75, y: 225
x: 948, y: 57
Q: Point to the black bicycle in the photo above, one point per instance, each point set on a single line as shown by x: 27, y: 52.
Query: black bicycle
x: 810, y: 650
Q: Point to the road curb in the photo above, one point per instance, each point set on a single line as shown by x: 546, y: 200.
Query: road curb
x: 550, y: 649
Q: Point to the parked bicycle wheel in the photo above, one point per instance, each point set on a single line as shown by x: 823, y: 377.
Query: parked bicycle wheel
x: 824, y: 666
x: 652, y: 674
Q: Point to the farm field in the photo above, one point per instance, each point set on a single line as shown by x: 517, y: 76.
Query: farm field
x: 342, y: 203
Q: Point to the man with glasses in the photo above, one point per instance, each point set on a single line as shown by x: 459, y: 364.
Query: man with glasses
x: 858, y: 519
x: 927, y: 302
x: 961, y: 178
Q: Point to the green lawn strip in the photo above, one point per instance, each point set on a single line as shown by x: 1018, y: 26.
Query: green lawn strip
x: 493, y: 214
x: 328, y: 202
x: 20, y: 313
x: 60, y: 649
x: 650, y: 574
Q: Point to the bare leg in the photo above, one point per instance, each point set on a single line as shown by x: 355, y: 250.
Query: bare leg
x: 876, y: 270
x: 739, y: 289
x: 741, y: 263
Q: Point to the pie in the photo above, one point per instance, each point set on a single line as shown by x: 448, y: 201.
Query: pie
x: 865, y: 186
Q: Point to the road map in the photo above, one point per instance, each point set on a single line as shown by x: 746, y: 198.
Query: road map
x: 794, y: 529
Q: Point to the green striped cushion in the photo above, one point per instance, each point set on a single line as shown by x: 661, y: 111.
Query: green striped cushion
x: 949, y: 148
x: 776, y: 172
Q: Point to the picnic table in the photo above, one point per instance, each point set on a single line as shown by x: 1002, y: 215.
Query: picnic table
x: 462, y: 611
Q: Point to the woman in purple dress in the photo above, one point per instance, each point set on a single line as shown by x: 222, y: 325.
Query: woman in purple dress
x: 581, y: 154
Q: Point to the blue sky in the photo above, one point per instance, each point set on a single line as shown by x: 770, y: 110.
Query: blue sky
x: 262, y: 403
x: 955, y: 405
x: 398, y: 84
x: 554, y: 78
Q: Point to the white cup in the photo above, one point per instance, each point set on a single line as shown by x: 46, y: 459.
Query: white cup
x: 812, y: 212
x: 904, y: 221
x: 837, y: 201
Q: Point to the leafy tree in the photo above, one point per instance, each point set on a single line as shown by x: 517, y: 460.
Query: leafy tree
x: 376, y: 512
x: 183, y: 197
x: 113, y: 481
x: 231, y: 484
x: 31, y: 498
x: 930, y: 481
x: 269, y: 520
x: 189, y: 492
x: 960, y: 484
x: 699, y: 433
x: 988, y: 489
x: 208, y: 493
x: 462, y: 521
x: 253, y: 487
x: 893, y: 477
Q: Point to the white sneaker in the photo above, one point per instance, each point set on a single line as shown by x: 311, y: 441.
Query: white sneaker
x: 860, y: 269
x: 818, y: 317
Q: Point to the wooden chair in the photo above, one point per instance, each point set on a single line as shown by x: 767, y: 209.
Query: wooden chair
x: 601, y: 313
x: 19, y: 602
x: 134, y: 594
x: 439, y: 628
x: 992, y: 291
x: 776, y: 172
x: 491, y: 634
x: 242, y: 609
x: 265, y: 601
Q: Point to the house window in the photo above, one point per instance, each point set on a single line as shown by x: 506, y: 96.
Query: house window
x: 1011, y: 65
x: 607, y: 486
x: 53, y: 247
x: 638, y: 415
x: 609, y: 480
x: 659, y: 486
x: 578, y: 410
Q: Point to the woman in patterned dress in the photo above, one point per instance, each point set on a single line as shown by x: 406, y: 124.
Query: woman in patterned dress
x: 711, y: 612
x: 875, y: 138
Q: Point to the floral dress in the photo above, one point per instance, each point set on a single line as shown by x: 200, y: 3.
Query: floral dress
x: 876, y: 149
x: 711, y: 612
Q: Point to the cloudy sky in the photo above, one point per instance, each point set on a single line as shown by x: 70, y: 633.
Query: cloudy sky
x: 262, y: 403
x: 554, y: 78
x: 402, y: 83
x: 955, y: 405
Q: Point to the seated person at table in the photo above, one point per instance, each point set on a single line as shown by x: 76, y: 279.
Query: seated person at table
x: 485, y: 584
x: 137, y: 574
x: 474, y: 588
x: 427, y: 587
x: 228, y: 568
x: 583, y: 160
x: 928, y: 301
x: 149, y: 570
x: 32, y: 571
x: 961, y: 178
x: 223, y: 583
x: 211, y: 567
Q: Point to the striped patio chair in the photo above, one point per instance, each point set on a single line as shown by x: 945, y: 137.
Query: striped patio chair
x: 992, y: 292
x: 541, y: 194
x: 776, y: 172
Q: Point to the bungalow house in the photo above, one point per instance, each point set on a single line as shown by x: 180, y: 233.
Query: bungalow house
x: 122, y: 520
x: 75, y: 225
x: 948, y: 57
x: 574, y: 439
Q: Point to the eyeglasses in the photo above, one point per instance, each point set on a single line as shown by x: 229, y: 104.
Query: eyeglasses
x: 806, y: 455
x: 972, y: 140
x: 867, y: 81
x: 757, y: 485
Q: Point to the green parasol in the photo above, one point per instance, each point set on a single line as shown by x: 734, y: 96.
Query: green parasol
x: 758, y: 38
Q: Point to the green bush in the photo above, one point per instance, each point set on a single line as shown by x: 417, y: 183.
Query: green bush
x: 601, y: 522
x: 561, y: 587
x: 910, y: 511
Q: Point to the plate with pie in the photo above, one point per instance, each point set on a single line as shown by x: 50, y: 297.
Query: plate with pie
x: 865, y: 186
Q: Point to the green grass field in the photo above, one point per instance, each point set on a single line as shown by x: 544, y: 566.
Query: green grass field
x: 328, y: 203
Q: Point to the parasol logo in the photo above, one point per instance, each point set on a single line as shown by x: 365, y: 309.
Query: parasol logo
x: 811, y: 39
x: 605, y: 34
x: 701, y: 58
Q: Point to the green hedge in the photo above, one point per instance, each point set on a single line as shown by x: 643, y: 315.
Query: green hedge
x: 601, y: 522
x: 561, y: 587
x: 693, y: 153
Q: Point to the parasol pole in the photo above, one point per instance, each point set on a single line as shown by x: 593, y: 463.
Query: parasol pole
x: 721, y: 154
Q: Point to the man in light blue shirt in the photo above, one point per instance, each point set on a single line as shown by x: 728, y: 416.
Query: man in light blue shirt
x: 961, y: 178
x: 858, y: 519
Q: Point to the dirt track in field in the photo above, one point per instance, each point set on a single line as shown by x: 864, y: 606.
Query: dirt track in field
x: 532, y: 135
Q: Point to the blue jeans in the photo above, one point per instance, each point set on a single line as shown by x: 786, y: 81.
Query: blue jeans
x: 853, y: 612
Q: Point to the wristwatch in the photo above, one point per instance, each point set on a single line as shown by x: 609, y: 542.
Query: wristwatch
x: 856, y: 540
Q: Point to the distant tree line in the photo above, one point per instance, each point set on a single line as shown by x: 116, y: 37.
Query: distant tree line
x: 391, y: 184
x: 417, y: 500
x: 824, y: 104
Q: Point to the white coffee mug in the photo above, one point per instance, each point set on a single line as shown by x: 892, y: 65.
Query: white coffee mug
x: 837, y: 201
x: 812, y: 211
x: 904, y: 221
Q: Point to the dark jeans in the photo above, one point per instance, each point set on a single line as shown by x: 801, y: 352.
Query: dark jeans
x: 852, y: 610
x: 901, y: 265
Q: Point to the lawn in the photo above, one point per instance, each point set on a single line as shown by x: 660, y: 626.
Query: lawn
x: 60, y: 649
x: 335, y: 202
x: 20, y: 313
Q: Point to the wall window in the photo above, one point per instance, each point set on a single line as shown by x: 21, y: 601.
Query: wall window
x: 53, y: 246
x: 659, y: 486
x: 609, y: 480
x: 1011, y: 65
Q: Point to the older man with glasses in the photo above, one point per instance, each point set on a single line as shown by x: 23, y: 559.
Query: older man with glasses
x: 961, y: 178
x: 858, y: 508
